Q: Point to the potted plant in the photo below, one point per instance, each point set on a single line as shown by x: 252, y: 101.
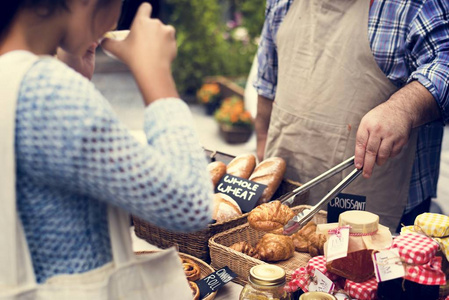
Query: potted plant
x: 236, y: 123
x: 209, y: 96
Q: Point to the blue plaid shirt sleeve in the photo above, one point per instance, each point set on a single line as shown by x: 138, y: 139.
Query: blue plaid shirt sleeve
x: 266, y: 81
x: 429, y: 51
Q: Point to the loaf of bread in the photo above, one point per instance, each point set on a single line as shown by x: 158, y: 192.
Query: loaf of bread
x: 217, y: 170
x: 270, y: 173
x: 270, y: 217
x: 357, y: 266
x: 242, y: 165
x: 275, y: 247
x: 225, y: 208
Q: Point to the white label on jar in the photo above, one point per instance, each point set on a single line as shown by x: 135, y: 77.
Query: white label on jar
x: 321, y: 283
x: 388, y: 265
x: 337, y: 244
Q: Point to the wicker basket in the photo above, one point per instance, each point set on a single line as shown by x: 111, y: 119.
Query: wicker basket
x: 222, y: 255
x: 196, y: 244
x: 204, y: 268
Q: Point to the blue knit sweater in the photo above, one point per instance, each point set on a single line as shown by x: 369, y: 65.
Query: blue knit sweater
x: 74, y: 157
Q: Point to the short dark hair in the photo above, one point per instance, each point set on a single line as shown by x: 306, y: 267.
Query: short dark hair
x: 9, y: 9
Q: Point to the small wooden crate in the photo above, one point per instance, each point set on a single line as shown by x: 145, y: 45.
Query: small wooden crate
x: 222, y: 255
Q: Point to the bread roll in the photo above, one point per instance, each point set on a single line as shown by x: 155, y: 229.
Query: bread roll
x: 270, y: 217
x: 242, y: 166
x: 269, y: 172
x: 274, y: 247
x: 217, y: 169
x: 225, y: 208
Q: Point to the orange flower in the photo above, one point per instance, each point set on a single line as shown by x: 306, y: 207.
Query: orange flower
x: 232, y: 112
x: 209, y: 92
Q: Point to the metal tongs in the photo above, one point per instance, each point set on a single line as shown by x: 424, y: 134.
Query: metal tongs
x: 301, y: 219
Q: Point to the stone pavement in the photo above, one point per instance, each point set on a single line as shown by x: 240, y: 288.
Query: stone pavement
x: 118, y: 86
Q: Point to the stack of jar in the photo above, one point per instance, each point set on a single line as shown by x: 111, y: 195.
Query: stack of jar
x: 418, y: 246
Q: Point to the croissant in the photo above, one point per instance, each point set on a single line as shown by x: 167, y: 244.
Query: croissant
x: 316, y: 244
x: 307, y: 240
x: 274, y: 247
x: 301, y: 244
x: 245, y: 248
x: 270, y: 216
x: 301, y: 238
x: 308, y: 230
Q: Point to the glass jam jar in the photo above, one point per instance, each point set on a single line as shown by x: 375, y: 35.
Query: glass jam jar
x: 266, y: 282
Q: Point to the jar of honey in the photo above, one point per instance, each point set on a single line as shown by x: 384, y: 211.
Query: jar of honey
x: 266, y: 282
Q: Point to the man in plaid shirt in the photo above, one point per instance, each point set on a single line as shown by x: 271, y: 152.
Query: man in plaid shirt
x: 409, y: 41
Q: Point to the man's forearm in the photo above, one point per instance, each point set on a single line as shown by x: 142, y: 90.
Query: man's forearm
x: 385, y: 129
x: 264, y: 107
x: 415, y: 100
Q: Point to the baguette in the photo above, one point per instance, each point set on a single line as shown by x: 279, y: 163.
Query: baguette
x: 270, y: 173
x: 217, y: 169
x: 242, y: 166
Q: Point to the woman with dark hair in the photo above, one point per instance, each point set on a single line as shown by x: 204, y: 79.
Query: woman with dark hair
x: 70, y: 169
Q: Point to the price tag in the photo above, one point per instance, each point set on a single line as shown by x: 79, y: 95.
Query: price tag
x: 321, y: 283
x: 388, y: 265
x: 243, y: 191
x: 343, y: 202
x: 214, y: 281
x: 337, y: 243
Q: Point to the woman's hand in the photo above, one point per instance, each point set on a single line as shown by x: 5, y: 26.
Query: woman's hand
x: 148, y: 50
x: 85, y: 65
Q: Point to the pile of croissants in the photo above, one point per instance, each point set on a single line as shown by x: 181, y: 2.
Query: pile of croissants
x: 274, y: 246
x: 268, y: 172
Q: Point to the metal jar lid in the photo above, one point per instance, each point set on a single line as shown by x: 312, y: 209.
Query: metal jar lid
x: 316, y: 296
x: 267, y: 275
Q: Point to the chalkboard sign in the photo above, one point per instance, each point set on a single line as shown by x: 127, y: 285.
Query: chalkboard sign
x: 243, y: 191
x: 343, y: 202
x: 214, y: 281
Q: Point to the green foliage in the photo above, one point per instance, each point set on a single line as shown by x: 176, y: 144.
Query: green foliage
x: 199, y: 41
x: 253, y: 15
x: 206, y: 46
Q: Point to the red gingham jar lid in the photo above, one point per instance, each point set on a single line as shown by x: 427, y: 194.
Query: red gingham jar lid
x: 415, y: 248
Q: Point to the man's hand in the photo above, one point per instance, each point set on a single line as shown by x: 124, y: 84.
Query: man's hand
x: 385, y: 130
x: 84, y: 65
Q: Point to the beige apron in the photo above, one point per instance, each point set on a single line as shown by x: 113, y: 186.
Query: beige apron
x: 158, y: 276
x: 328, y: 80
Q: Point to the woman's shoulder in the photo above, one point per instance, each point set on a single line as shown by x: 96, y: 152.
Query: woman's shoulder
x: 51, y: 71
x: 50, y: 80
